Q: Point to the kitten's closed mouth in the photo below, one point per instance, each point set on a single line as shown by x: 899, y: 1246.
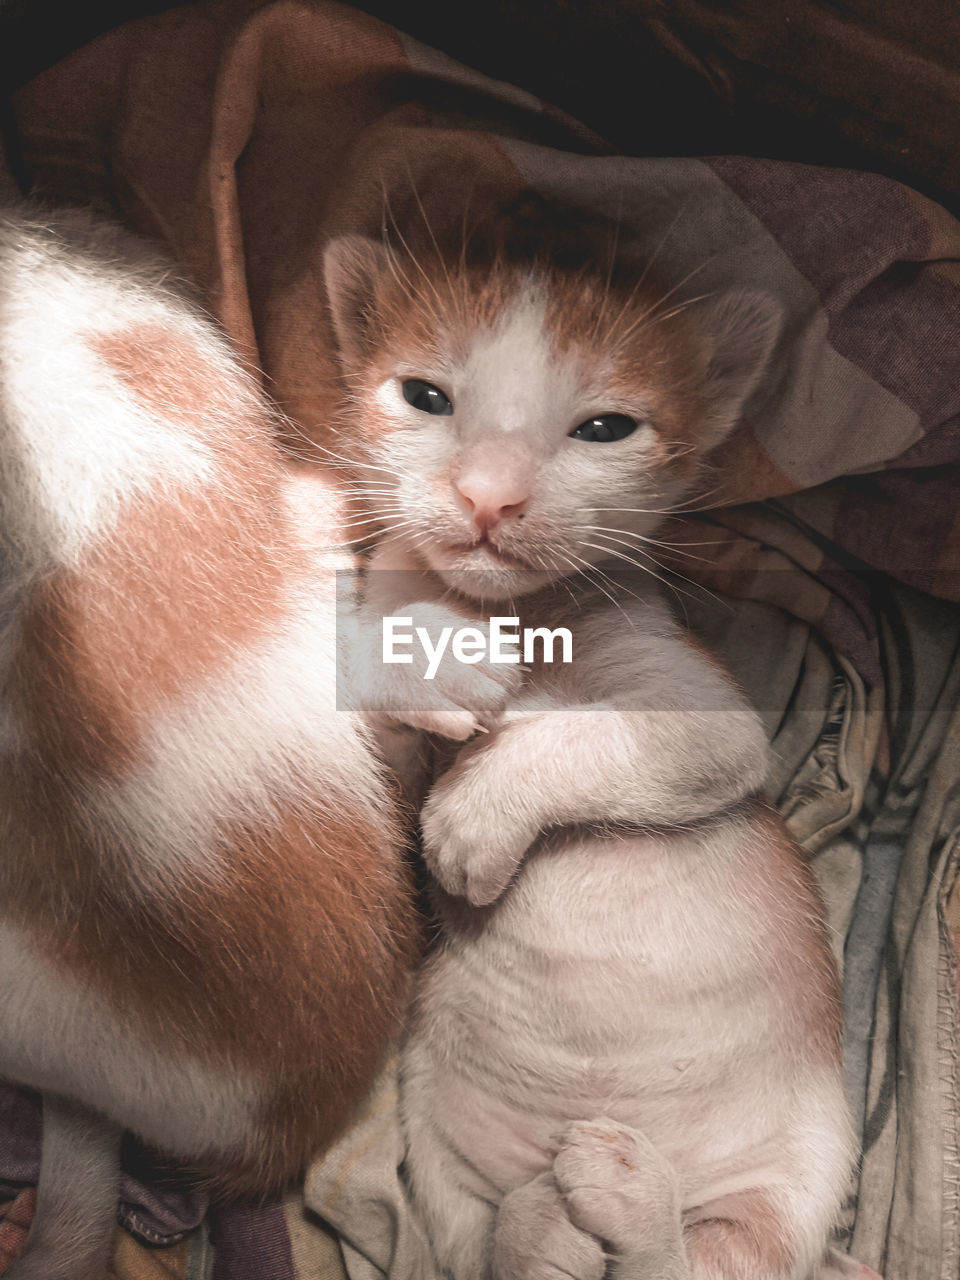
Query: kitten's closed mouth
x: 484, y: 544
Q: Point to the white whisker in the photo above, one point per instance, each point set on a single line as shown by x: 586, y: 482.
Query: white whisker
x: 587, y: 569
x: 659, y: 576
x: 674, y: 548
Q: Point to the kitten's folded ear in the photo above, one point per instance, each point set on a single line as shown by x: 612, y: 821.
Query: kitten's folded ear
x: 742, y: 330
x: 352, y: 267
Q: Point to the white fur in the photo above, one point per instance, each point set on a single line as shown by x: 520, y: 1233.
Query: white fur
x: 511, y: 383
x: 240, y: 746
x: 76, y: 442
x: 57, y: 1032
x: 667, y: 741
x: 73, y: 1227
x: 630, y: 978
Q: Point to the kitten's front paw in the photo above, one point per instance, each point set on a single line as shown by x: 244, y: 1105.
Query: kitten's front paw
x: 472, y: 842
x: 432, y: 691
x: 617, y: 1186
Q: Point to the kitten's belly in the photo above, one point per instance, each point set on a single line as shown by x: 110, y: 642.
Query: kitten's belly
x: 516, y: 1086
x: 608, y: 994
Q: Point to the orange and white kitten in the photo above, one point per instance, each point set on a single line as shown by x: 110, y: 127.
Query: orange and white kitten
x: 624, y: 1055
x: 205, y: 922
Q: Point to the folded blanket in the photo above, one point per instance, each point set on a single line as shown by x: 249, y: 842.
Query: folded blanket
x: 244, y: 133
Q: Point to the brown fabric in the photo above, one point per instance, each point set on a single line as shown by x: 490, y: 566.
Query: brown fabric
x: 243, y: 135
x: 867, y: 84
x: 880, y: 76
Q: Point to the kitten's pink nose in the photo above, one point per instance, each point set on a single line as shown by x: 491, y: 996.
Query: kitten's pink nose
x: 488, y: 504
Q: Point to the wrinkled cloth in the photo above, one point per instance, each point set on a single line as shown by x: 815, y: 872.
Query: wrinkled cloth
x: 131, y: 1260
x: 245, y: 133
x: 869, y: 84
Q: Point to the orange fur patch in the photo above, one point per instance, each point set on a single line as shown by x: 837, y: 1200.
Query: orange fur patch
x: 293, y: 969
x: 741, y: 1235
x: 169, y: 376
x: 174, y: 591
x: 784, y: 884
x: 164, y: 596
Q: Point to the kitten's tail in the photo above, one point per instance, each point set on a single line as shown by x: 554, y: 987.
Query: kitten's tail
x: 72, y: 1231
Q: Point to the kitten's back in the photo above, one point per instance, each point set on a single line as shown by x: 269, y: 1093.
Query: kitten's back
x: 197, y: 846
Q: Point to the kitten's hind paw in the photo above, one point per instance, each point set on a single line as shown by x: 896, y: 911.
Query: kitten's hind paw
x: 616, y: 1185
x: 535, y: 1239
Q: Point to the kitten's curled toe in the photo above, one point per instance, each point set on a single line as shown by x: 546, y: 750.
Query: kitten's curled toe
x: 616, y: 1185
x: 535, y: 1239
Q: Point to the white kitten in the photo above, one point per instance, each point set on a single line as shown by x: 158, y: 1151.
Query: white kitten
x: 626, y: 1045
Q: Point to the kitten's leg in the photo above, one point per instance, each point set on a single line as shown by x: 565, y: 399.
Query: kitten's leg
x: 616, y: 1185
x: 458, y: 1220
x: 743, y: 1235
x: 458, y: 698
x: 73, y: 1228
x: 535, y: 1239
x: 548, y: 765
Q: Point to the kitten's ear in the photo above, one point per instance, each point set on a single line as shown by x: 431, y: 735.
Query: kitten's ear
x: 352, y: 266
x: 742, y: 330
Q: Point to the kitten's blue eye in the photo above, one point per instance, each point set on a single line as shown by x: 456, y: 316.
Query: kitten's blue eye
x: 609, y: 426
x: 426, y: 397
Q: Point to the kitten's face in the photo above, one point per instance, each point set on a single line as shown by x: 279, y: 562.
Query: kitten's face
x: 525, y: 423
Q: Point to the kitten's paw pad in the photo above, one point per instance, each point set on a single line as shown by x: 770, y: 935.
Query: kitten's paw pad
x: 535, y: 1239
x: 616, y: 1184
x: 470, y: 845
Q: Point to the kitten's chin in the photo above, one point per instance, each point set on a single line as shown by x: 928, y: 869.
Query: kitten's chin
x: 479, y: 576
x: 495, y: 584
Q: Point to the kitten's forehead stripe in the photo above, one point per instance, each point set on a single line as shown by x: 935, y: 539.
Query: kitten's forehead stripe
x: 512, y: 377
